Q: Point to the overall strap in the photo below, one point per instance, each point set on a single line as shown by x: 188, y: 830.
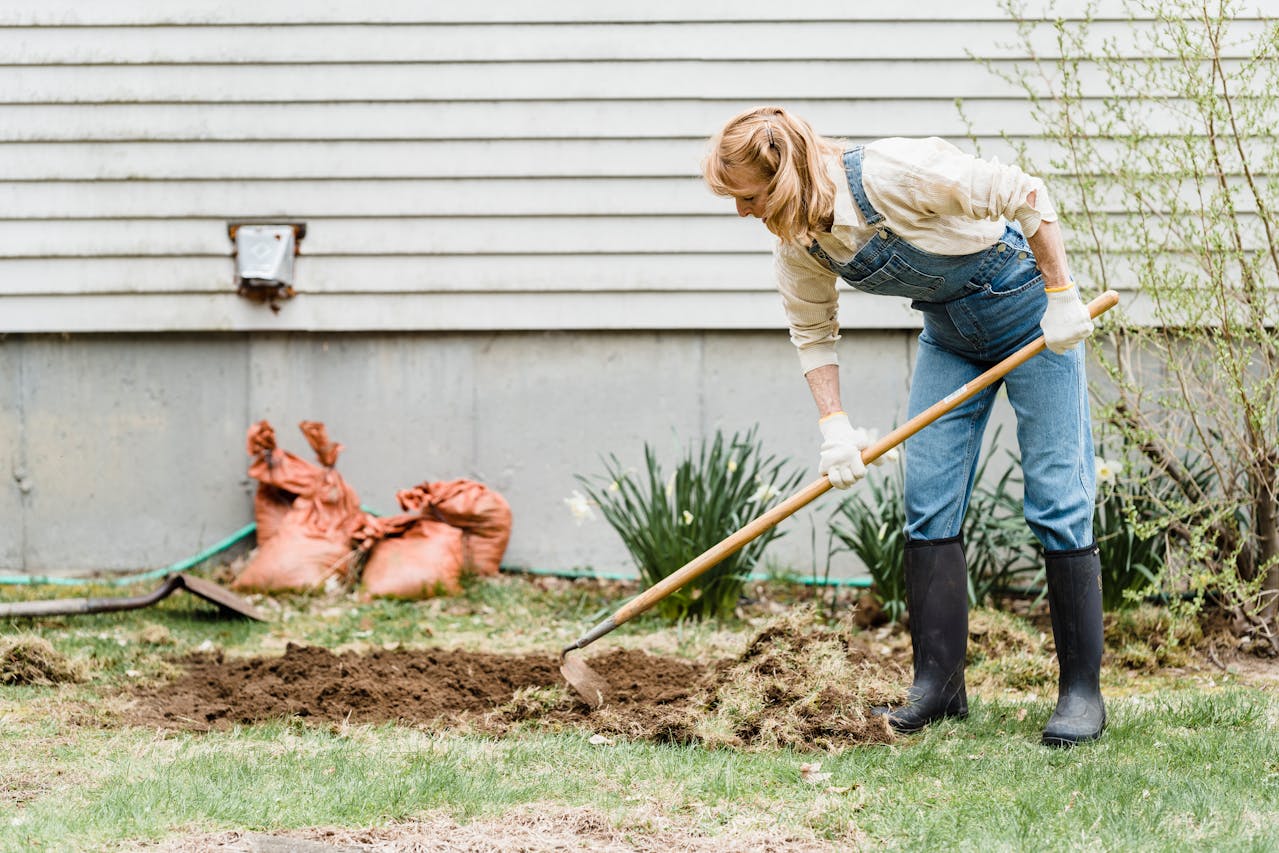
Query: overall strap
x: 853, y: 167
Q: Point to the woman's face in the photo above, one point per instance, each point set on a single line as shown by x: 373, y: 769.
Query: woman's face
x: 752, y: 197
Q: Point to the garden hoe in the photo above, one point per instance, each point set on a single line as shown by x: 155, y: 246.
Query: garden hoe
x: 229, y: 604
x: 593, y: 688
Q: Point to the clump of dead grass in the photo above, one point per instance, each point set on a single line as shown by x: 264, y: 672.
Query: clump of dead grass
x: 531, y: 703
x: 1008, y: 652
x: 29, y: 659
x: 1146, y: 638
x: 156, y: 635
x: 996, y: 633
x: 534, y: 826
x: 799, y: 683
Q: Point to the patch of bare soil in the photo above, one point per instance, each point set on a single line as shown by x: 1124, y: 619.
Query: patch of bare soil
x: 427, y: 687
x: 528, y: 828
x: 797, y: 684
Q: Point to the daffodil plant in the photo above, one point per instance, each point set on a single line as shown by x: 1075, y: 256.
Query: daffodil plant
x: 667, y: 519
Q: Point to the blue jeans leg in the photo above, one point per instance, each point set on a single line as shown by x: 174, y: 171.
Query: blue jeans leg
x: 1049, y: 393
x: 941, y: 459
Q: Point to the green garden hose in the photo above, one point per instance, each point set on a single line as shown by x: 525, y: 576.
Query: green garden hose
x: 248, y: 530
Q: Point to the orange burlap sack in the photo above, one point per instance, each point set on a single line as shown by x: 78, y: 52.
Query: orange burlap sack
x: 483, y: 516
x: 281, y: 478
x: 313, y: 541
x: 411, y: 557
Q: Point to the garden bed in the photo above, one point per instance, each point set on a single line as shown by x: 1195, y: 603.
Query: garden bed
x: 432, y: 687
x: 797, y: 684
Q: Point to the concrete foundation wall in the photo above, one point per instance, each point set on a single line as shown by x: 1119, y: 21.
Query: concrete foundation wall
x: 127, y: 452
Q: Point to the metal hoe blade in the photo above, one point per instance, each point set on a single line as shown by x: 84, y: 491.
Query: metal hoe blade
x: 228, y: 602
x: 588, y: 683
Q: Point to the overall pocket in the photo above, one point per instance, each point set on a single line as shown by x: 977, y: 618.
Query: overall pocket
x: 898, y: 278
x: 1017, y: 273
x: 1016, y: 278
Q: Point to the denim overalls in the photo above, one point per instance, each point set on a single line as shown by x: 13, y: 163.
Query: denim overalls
x: 978, y: 309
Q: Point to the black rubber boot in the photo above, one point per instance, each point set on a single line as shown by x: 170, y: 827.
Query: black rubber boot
x: 1074, y: 601
x: 937, y: 601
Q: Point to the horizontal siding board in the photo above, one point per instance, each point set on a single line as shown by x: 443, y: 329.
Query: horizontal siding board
x: 439, y: 274
x: 668, y: 271
x: 377, y: 44
x: 646, y: 158
x: 321, y: 160
x: 759, y: 80
x: 453, y: 312
x: 240, y: 200
x: 481, y: 236
x: 383, y: 198
x: 431, y: 312
x: 284, y: 12
x: 493, y: 120
x: 436, y: 235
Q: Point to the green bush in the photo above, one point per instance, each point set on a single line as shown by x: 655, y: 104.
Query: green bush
x: 1168, y: 187
x: 1136, y: 506
x: 667, y: 520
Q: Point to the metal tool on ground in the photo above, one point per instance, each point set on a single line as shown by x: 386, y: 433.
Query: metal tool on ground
x: 593, y: 688
x: 228, y: 602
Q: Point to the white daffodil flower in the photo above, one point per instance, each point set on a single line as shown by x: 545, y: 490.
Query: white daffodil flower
x: 764, y: 493
x: 616, y: 485
x: 1107, y: 470
x: 688, y: 518
x: 580, y: 506
x: 865, y: 437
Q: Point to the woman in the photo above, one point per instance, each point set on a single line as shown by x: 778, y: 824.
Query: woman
x: 977, y: 248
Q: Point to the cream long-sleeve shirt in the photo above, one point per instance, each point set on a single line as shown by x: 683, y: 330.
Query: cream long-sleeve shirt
x: 932, y: 195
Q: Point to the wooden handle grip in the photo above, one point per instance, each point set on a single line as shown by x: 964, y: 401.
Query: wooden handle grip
x: 717, y: 553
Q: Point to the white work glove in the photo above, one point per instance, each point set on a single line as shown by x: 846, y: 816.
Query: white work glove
x: 1066, y: 321
x: 842, y: 446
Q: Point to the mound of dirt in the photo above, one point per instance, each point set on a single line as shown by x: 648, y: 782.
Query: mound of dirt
x: 797, y: 684
x: 28, y: 659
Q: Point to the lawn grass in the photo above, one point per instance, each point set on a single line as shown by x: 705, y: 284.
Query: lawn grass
x: 1190, y: 760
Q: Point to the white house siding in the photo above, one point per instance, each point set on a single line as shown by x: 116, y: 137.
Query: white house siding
x: 477, y: 180
x: 441, y: 148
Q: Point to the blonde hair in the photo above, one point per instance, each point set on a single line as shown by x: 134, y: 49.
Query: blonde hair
x: 768, y: 144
